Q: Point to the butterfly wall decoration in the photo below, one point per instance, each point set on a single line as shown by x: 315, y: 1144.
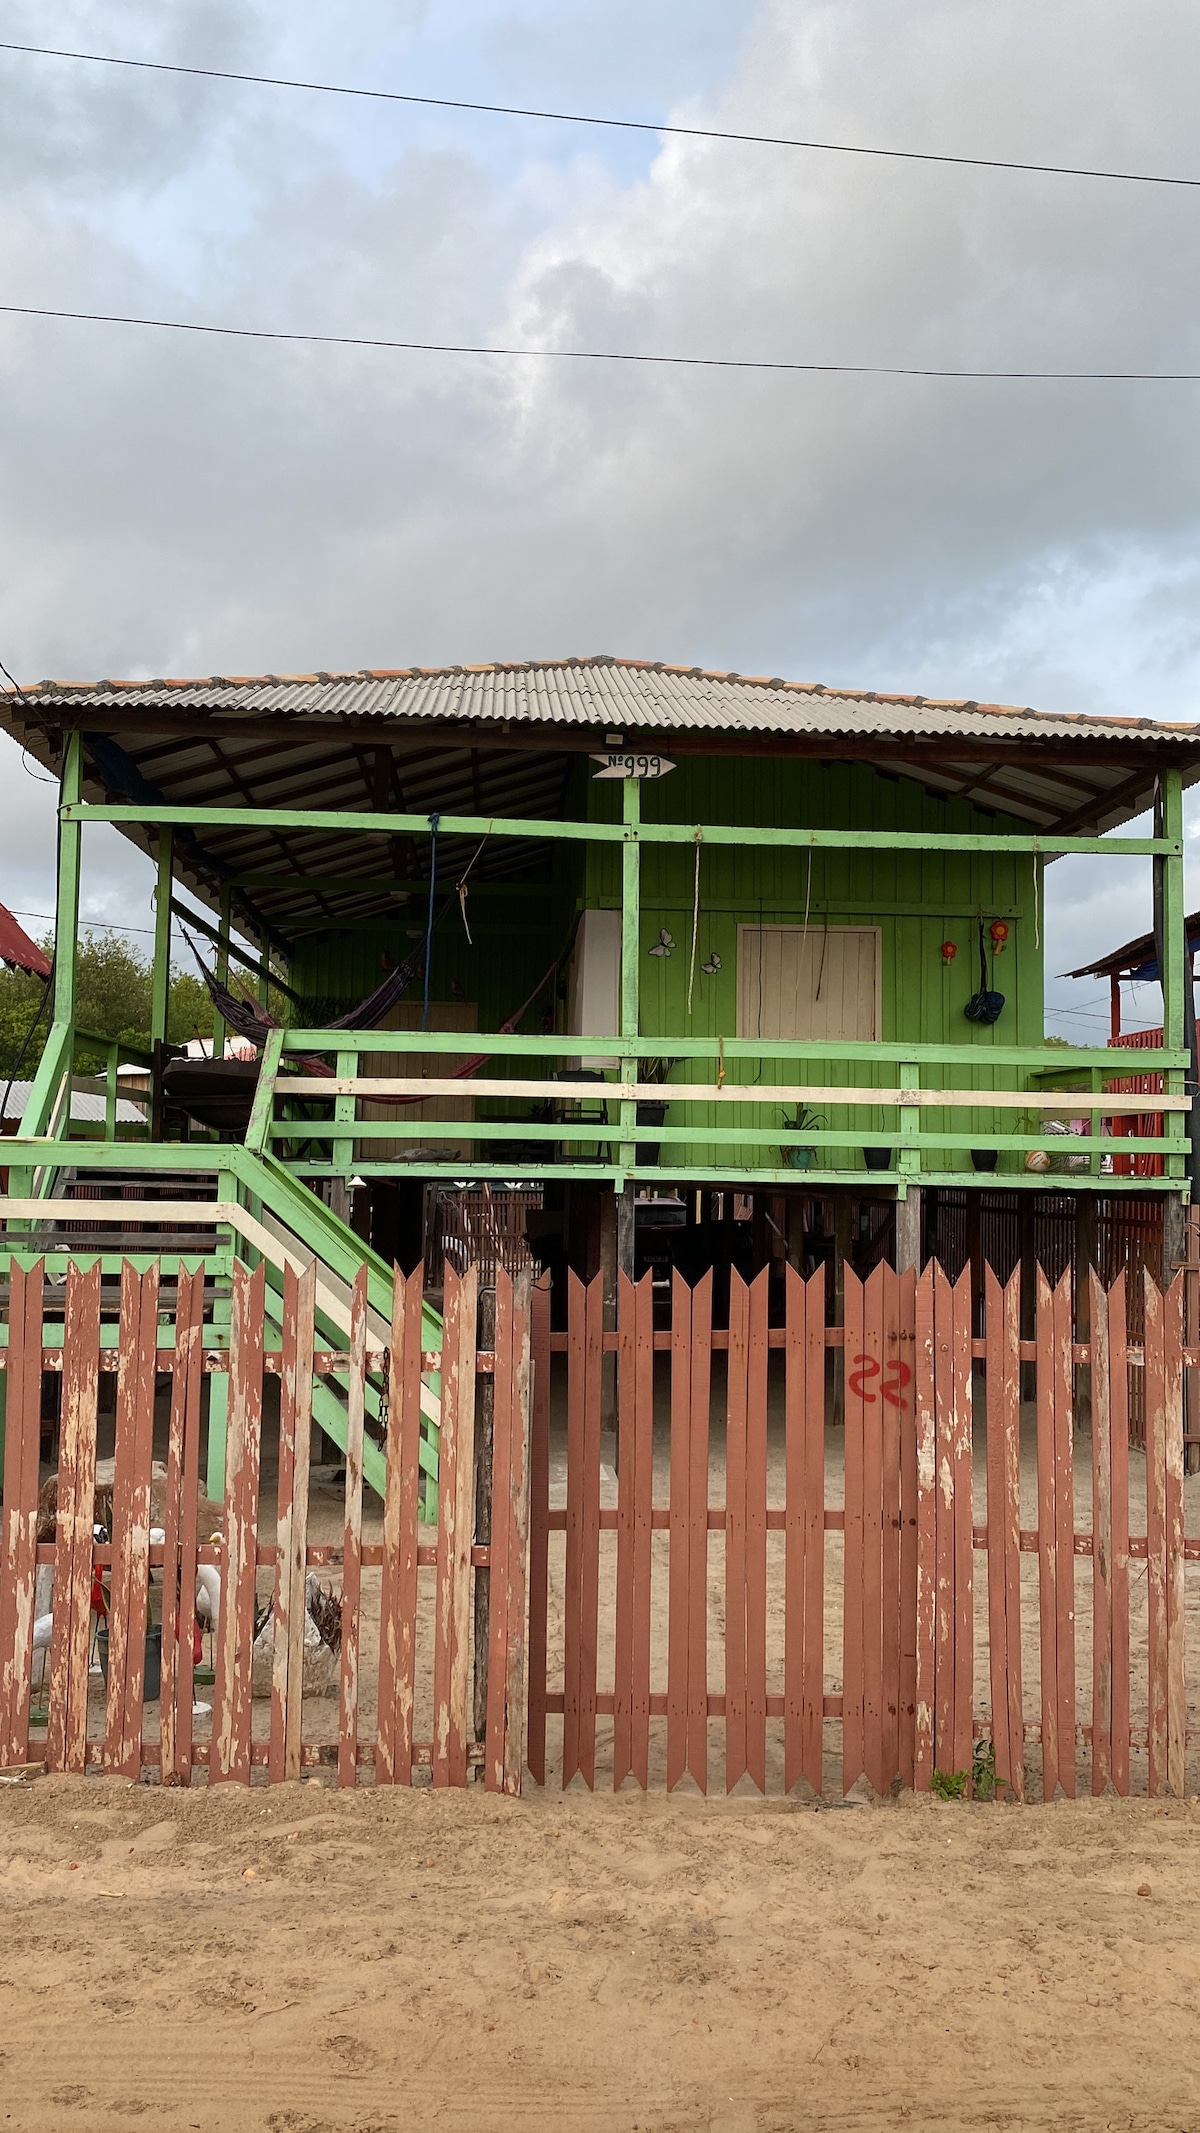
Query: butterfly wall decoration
x: 712, y: 966
x: 664, y: 945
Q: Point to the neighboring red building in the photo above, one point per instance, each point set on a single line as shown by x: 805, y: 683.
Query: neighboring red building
x: 17, y: 950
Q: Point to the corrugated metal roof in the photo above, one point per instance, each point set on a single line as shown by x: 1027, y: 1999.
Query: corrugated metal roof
x: 590, y: 692
x: 17, y: 949
x: 499, y: 739
x: 85, y: 1106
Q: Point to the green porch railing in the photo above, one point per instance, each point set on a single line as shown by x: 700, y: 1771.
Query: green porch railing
x: 923, y: 1118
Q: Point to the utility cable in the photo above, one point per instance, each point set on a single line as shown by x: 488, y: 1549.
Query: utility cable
x: 614, y: 355
x: 625, y: 125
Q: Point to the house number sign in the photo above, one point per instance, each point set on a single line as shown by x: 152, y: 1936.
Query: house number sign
x: 618, y: 764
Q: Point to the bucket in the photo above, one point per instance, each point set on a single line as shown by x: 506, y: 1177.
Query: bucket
x: 152, y: 1679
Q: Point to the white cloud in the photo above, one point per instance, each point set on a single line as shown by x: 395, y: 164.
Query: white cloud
x: 174, y: 505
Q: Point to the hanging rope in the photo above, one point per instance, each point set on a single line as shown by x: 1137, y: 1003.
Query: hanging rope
x: 695, y: 922
x: 433, y: 833
x: 1037, y: 923
x: 462, y: 886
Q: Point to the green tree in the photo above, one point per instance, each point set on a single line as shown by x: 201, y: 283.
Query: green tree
x: 113, y: 984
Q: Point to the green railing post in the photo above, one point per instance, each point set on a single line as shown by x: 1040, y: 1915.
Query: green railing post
x: 258, y: 1132
x: 160, y: 995
x: 631, y: 932
x: 344, y: 1107
x: 908, y: 1161
x: 111, y: 1085
x: 1172, y: 948
x: 221, y: 968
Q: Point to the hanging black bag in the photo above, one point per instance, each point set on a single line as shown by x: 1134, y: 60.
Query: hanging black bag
x: 984, y: 1006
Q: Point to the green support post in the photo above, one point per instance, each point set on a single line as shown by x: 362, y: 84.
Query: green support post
x: 1172, y: 945
x: 160, y: 995
x: 222, y: 970
x: 631, y: 932
x: 58, y: 1058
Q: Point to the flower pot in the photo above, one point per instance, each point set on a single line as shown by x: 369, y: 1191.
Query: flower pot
x: 798, y: 1157
x: 877, y: 1158
x: 152, y: 1677
x: 985, y: 1158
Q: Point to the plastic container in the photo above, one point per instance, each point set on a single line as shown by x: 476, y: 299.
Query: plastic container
x: 152, y: 1678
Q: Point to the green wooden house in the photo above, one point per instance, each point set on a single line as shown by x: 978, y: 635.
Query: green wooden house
x: 751, y: 913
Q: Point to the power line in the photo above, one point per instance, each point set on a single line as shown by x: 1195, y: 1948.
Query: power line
x: 627, y: 125
x: 612, y: 355
x: 98, y: 925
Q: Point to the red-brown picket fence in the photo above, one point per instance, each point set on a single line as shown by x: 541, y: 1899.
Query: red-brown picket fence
x: 814, y: 1553
x: 424, y: 1642
x: 758, y: 1600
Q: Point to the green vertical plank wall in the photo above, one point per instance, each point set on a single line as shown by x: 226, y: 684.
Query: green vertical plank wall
x: 940, y: 898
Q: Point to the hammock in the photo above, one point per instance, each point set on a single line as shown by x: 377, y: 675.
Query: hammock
x: 255, y: 1023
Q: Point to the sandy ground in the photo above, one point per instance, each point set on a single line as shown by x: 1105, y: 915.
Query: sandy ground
x: 309, y: 1962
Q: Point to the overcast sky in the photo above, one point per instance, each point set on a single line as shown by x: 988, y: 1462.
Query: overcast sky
x: 177, y: 505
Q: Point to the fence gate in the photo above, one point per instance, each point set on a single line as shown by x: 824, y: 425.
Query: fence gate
x: 888, y: 1524
x: 335, y: 1633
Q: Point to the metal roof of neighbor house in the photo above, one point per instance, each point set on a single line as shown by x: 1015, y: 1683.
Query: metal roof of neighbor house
x: 87, y: 1105
x: 498, y: 739
x: 17, y: 950
x: 1138, y: 958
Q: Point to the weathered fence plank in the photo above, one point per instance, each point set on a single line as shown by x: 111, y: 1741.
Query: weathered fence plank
x: 585, y: 1309
x: 230, y: 1754
x: 925, y: 1389
x: 356, y: 1403
x: 179, y: 1533
x: 804, y: 1565
x: 398, y: 1582
x: 539, y: 1526
x: 66, y: 1733
x: 1002, y: 1308
x: 687, y: 1661
x: 131, y: 1520
x: 456, y: 1521
x: 291, y: 1567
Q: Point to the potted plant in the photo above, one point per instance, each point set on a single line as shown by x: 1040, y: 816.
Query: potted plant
x: 796, y: 1155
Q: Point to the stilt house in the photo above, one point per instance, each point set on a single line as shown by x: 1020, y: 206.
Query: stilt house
x: 603, y: 962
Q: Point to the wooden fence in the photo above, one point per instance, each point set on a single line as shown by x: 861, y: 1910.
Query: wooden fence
x: 919, y: 1575
x: 409, y: 1655
x: 787, y: 1552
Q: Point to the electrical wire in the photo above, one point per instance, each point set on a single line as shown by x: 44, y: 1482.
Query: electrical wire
x: 36, y: 775
x: 626, y: 125
x: 613, y: 355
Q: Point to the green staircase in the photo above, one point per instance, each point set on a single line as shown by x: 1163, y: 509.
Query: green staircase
x: 268, y: 1217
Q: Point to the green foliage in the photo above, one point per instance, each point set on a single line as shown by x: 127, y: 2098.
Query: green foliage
x: 949, y: 1784
x: 112, y: 997
x: 983, y: 1770
x: 977, y: 1783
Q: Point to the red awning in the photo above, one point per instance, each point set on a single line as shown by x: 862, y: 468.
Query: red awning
x: 17, y: 948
